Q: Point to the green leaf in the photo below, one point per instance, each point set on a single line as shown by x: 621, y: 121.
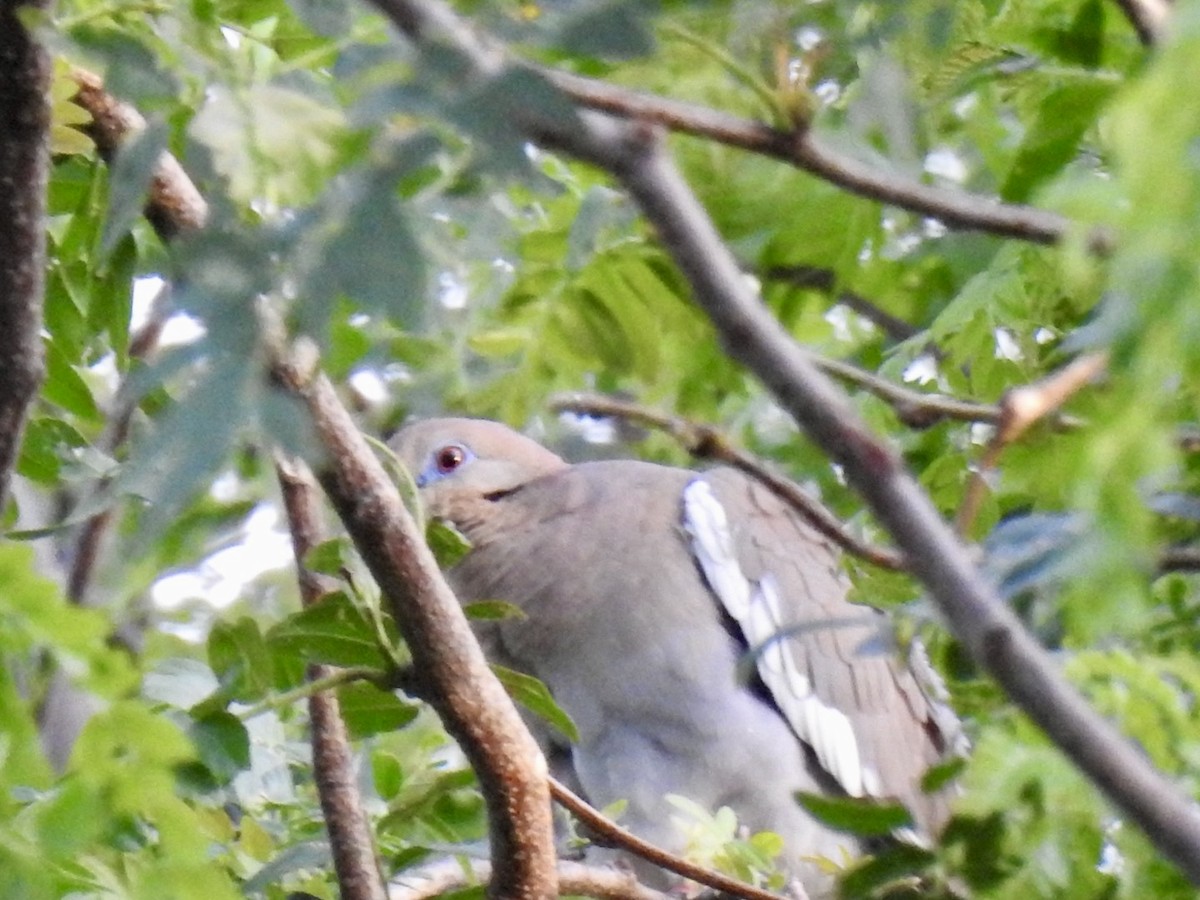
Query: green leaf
x: 129, y: 181
x: 856, y: 815
x: 493, y: 610
x: 65, y: 388
x: 613, y: 29
x: 449, y: 545
x: 241, y: 660
x: 1063, y: 118
x: 367, y: 710
x: 941, y: 775
x: 499, y: 343
x: 897, y: 866
x: 46, y: 443
x: 327, y: 557
x: 535, y: 697
x: 222, y: 744
x: 333, y: 630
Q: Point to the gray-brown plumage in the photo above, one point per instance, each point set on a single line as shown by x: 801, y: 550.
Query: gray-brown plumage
x: 644, y: 587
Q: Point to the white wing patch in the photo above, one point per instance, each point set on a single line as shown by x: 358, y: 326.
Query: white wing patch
x: 755, y: 606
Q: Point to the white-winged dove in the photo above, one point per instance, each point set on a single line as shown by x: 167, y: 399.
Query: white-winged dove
x: 643, y: 587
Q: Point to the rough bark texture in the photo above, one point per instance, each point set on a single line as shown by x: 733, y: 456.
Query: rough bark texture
x: 450, y: 668
x: 24, y: 170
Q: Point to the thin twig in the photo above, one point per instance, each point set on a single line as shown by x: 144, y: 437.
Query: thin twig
x: 1148, y: 18
x: 1021, y: 408
x: 350, y: 837
x: 574, y: 879
x: 1179, y: 559
x: 173, y: 204
x: 616, y: 836
x: 705, y: 442
x: 955, y: 209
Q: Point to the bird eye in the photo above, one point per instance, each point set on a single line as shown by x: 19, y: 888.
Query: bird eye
x: 449, y: 458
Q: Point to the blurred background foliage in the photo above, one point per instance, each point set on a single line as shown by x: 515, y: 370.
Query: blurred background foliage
x: 395, y: 216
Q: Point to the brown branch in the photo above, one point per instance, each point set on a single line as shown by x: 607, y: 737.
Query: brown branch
x: 1148, y: 17
x: 574, y: 879
x: 1179, y: 559
x: 1021, y: 408
x: 174, y: 205
x: 956, y: 209
x: 447, y: 661
x: 24, y: 175
x: 705, y: 442
x: 989, y: 630
x: 614, y: 835
x: 346, y: 821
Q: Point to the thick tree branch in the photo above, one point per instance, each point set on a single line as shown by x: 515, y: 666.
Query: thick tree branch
x: 801, y: 148
x: 988, y: 629
x: 24, y: 172
x: 706, y: 442
x: 447, y: 661
x: 346, y: 821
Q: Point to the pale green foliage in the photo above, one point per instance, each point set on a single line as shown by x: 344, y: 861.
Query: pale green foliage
x: 396, y: 216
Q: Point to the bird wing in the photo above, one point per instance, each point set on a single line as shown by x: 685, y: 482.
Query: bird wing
x: 829, y: 664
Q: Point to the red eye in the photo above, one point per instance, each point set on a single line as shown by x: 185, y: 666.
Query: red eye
x: 449, y: 458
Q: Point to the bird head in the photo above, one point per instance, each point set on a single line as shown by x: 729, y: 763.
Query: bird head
x: 469, y: 459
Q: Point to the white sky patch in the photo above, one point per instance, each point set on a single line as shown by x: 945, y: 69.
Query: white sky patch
x: 1045, y: 335
x: 226, y: 488
x: 145, y: 289
x: 590, y: 428
x: 921, y: 370
x: 809, y: 38
x: 452, y: 293
x: 179, y: 329
x: 370, y: 386
x: 828, y: 91
x: 1007, y: 346
x: 221, y: 578
x: 932, y: 228
x: 964, y: 106
x: 981, y: 433
x: 396, y: 373
x: 945, y: 163
x: 232, y: 37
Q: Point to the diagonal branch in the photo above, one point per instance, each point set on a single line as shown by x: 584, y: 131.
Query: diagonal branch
x: 450, y: 668
x: 706, y: 442
x: 617, y: 836
x: 991, y: 633
x: 801, y: 148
